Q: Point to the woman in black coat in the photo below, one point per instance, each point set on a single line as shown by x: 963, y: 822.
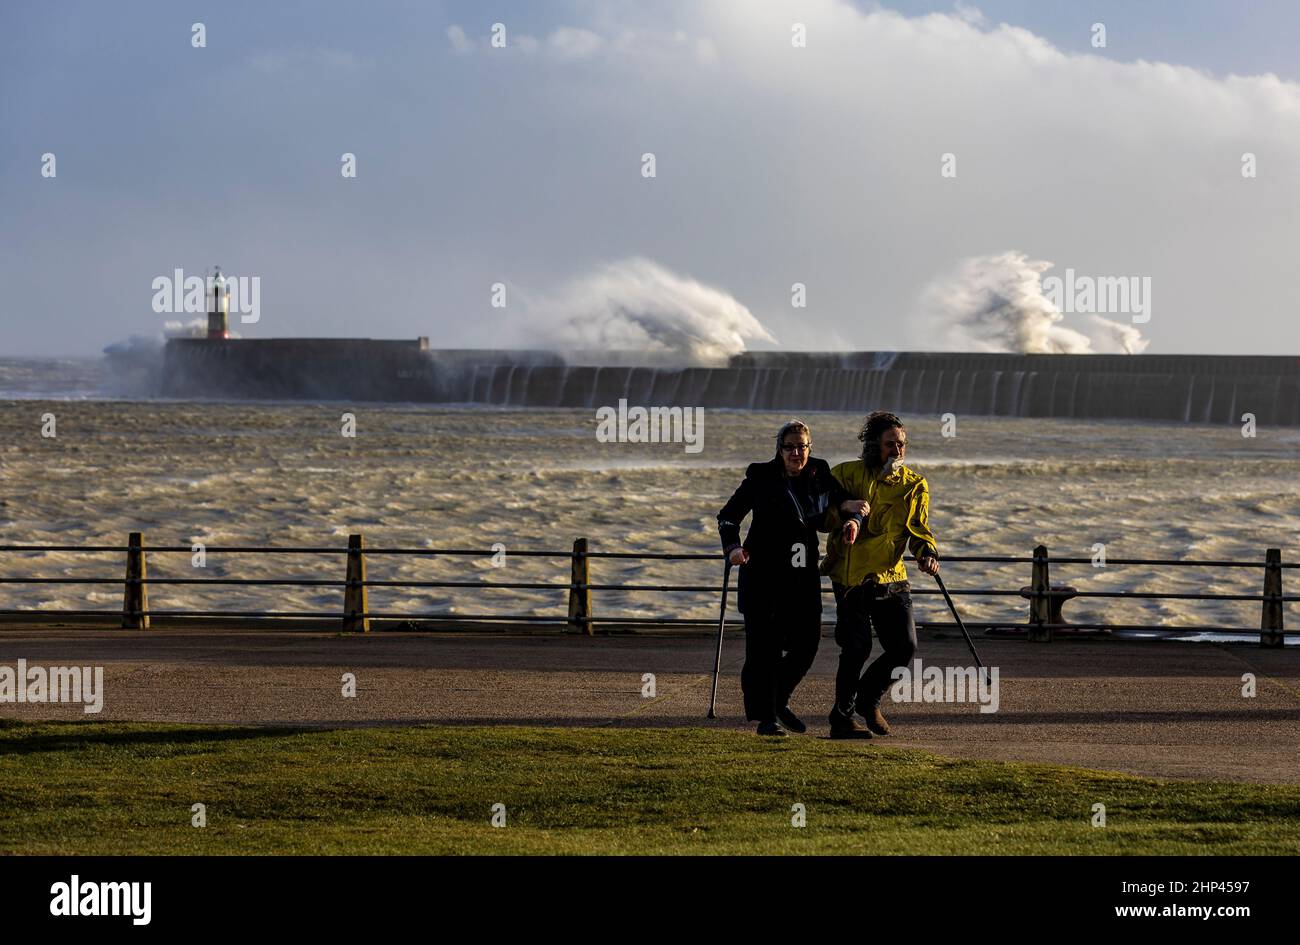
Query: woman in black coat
x: 780, y: 584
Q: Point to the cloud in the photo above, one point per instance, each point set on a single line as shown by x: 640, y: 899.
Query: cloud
x: 459, y: 41
x: 969, y: 14
x: 569, y: 42
x: 576, y: 43
x: 822, y: 164
x: 776, y: 165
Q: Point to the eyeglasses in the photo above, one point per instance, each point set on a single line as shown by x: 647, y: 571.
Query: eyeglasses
x: 795, y: 447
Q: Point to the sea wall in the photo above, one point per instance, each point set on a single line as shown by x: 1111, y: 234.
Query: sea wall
x: 1193, y: 388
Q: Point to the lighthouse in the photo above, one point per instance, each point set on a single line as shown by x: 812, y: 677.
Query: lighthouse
x: 218, y: 306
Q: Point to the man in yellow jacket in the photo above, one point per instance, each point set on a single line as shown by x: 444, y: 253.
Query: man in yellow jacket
x: 864, y: 558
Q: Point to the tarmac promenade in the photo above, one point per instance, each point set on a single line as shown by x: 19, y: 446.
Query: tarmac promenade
x: 1170, y: 710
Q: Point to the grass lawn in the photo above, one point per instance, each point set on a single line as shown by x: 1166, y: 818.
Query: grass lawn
x: 89, y: 788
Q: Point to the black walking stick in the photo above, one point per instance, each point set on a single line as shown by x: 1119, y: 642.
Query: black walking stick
x: 956, y: 616
x: 722, y: 618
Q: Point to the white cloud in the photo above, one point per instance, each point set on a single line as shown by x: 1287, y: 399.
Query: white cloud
x: 569, y: 42
x: 969, y: 13
x: 459, y: 41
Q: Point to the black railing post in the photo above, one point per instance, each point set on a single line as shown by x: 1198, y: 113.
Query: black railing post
x: 1270, y: 625
x: 1040, y: 605
x: 356, y: 599
x: 135, y: 598
x: 580, y: 589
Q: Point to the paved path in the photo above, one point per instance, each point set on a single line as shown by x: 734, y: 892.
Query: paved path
x: 1154, y: 708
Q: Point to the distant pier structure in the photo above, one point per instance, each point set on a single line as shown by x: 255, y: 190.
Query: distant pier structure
x: 1189, y: 388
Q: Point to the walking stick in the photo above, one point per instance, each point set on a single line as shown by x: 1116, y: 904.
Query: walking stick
x: 956, y: 616
x: 722, y: 617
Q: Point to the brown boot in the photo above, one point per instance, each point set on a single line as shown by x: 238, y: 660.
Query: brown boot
x: 876, y: 722
x: 846, y: 726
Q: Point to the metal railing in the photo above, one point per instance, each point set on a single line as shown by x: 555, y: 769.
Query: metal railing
x: 1045, y: 600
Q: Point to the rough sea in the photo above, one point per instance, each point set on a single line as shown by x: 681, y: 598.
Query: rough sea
x: 425, y: 476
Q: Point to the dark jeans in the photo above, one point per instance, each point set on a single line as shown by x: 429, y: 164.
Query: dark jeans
x: 857, y: 611
x: 779, y: 649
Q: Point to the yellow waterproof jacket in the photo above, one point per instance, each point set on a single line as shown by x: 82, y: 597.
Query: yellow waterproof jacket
x: 899, y: 521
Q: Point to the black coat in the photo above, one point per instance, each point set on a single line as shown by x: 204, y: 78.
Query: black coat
x: 787, y: 512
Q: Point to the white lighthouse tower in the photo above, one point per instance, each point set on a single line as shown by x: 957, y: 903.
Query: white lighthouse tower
x: 218, y: 306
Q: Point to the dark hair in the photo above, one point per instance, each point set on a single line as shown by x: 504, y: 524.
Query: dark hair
x: 873, y: 428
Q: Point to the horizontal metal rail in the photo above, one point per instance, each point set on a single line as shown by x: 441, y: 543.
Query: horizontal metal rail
x: 1045, y: 599
x: 634, y: 555
x: 316, y: 614
x: 295, y: 550
x: 949, y: 625
x: 555, y: 586
x: 565, y: 586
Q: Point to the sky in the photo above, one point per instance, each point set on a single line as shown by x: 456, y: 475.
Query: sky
x: 522, y: 166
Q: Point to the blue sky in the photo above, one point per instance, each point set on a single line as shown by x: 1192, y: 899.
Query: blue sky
x: 522, y: 166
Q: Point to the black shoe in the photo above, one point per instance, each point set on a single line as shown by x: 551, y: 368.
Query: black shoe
x: 771, y: 728
x: 846, y: 726
x: 785, y: 715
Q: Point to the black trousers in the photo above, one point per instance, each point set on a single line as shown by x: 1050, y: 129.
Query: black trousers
x: 859, y: 610
x: 779, y: 650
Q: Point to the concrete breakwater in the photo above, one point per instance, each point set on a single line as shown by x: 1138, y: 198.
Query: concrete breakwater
x: 1190, y: 388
